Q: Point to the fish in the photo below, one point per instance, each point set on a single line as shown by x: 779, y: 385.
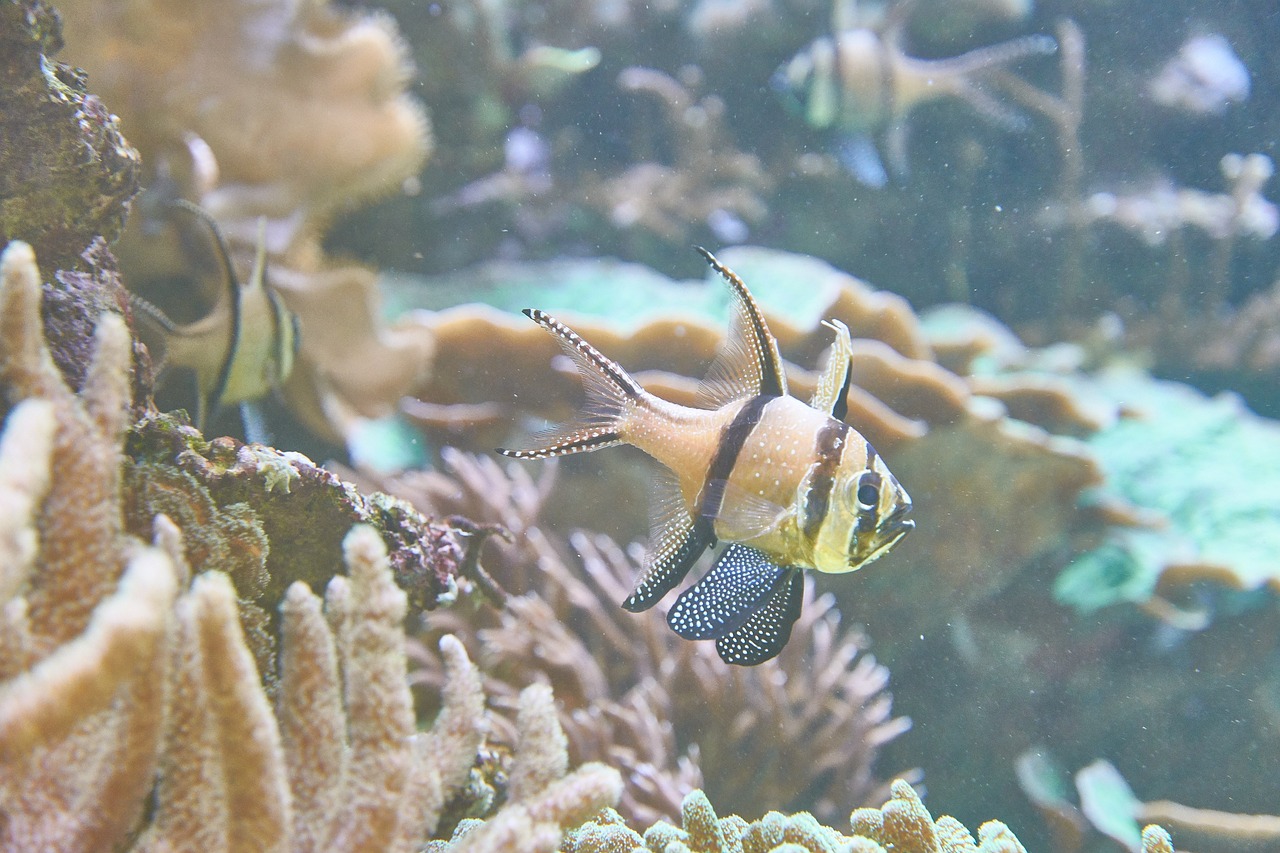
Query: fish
x: 239, y: 352
x: 859, y: 83
x: 783, y: 485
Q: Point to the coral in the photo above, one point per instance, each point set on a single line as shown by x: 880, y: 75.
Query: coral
x: 1114, y: 810
x: 132, y: 712
x: 542, y: 800
x: 66, y: 178
x: 633, y: 695
x: 1168, y: 458
x: 66, y: 173
x: 903, y: 825
x: 288, y: 111
x: 281, y: 488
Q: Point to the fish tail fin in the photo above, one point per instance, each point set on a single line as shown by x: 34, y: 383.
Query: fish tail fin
x: 612, y: 396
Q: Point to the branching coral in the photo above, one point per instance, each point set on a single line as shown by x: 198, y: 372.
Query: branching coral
x: 635, y: 695
x: 903, y: 825
x: 132, y: 712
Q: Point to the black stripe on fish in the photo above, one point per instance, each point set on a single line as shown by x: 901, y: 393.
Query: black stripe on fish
x: 739, y: 583
x: 817, y: 501
x: 841, y: 408
x: 732, y: 439
x: 768, y: 629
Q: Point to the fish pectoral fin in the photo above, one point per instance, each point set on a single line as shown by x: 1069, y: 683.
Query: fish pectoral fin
x: 743, y: 512
x: 858, y: 154
x: 832, y: 393
x: 676, y: 541
x: 727, y: 596
x: 768, y: 629
x: 748, y: 362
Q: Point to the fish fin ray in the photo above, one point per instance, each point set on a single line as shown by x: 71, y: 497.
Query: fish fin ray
x: 739, y: 582
x: 832, y: 393
x: 748, y: 362
x: 764, y: 634
x: 611, y: 395
x: 676, y: 541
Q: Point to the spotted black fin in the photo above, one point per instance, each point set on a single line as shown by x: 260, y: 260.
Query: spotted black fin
x: 611, y: 394
x: 748, y: 363
x: 676, y: 541
x: 832, y: 393
x: 768, y: 629
x: 727, y: 596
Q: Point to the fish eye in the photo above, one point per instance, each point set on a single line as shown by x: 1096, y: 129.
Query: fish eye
x: 868, y: 495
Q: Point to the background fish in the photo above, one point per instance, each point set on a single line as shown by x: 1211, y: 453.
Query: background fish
x: 861, y: 83
x: 787, y: 485
x: 240, y: 351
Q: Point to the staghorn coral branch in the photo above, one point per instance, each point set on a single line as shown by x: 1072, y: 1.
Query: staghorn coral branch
x: 444, y: 756
x: 44, y: 704
x: 24, y: 477
x: 312, y: 720
x: 81, y: 564
x: 245, y: 730
x: 379, y: 706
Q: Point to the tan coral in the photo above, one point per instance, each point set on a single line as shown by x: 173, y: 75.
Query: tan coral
x: 293, y: 111
x: 150, y: 727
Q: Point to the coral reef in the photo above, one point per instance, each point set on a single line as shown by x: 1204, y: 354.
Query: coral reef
x: 1167, y: 458
x: 803, y: 730
x: 290, y: 111
x: 66, y: 172
x: 118, y: 667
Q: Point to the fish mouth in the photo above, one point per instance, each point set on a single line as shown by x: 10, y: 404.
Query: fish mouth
x: 895, y: 526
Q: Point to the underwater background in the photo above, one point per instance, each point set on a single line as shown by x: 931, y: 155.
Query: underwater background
x: 264, y: 583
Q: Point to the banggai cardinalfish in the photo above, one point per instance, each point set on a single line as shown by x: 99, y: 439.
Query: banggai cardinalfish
x: 787, y: 486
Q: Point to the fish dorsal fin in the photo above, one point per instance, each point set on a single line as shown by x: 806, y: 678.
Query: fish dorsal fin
x: 832, y: 393
x: 768, y: 629
x: 748, y: 363
x: 211, y: 396
x: 676, y: 541
x: 739, y: 583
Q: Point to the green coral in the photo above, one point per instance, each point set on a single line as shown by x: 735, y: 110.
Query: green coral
x: 1206, y: 465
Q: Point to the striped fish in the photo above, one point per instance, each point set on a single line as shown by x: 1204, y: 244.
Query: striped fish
x: 786, y: 486
x: 238, y: 353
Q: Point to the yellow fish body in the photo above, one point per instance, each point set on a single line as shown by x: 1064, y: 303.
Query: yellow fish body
x: 787, y: 485
x: 239, y: 352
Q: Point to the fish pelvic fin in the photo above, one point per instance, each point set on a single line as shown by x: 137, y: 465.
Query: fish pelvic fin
x: 612, y: 395
x: 742, y: 580
x: 766, y: 631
